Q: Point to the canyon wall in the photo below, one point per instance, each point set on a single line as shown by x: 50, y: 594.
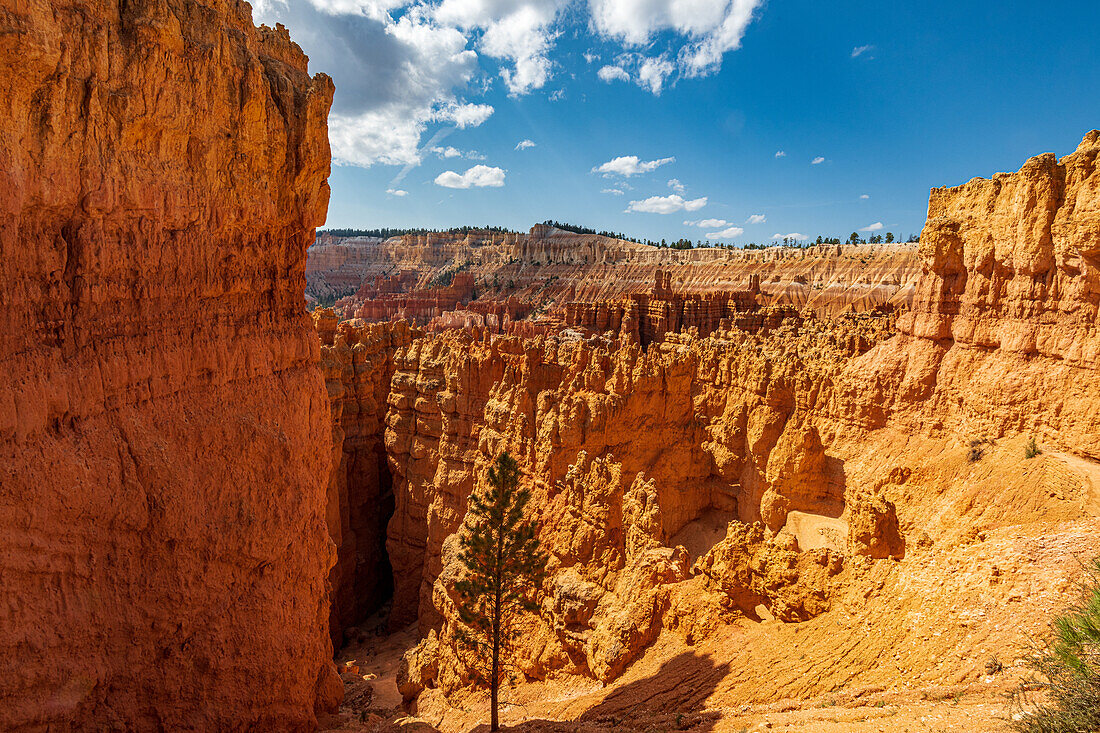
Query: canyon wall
x: 549, y: 267
x: 358, y: 366
x: 163, y: 545
x: 1004, y: 333
x: 759, y: 473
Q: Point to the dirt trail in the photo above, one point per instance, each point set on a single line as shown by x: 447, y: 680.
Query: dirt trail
x: 1090, y: 472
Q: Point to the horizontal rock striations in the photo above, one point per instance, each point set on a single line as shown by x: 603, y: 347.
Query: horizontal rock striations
x: 1004, y: 333
x: 698, y: 457
x: 550, y: 268
x: 162, y: 513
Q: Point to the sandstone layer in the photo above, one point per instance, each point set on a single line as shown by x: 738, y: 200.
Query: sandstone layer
x: 163, y: 545
x: 548, y: 268
x: 799, y: 467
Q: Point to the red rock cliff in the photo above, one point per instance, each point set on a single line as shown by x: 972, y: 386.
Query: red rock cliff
x: 162, y: 499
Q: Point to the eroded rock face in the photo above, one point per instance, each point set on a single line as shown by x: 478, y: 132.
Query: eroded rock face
x: 639, y: 462
x: 707, y: 477
x: 358, y: 366
x: 1004, y: 334
x: 550, y: 267
x: 162, y: 513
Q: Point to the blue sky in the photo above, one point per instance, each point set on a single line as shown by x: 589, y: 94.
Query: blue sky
x: 894, y: 98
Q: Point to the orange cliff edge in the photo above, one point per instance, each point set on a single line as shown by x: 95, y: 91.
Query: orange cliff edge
x: 163, y: 545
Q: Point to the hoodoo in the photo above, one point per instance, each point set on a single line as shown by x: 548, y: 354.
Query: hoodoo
x: 163, y: 547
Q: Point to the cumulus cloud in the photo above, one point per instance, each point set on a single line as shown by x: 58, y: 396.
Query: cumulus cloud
x: 710, y: 223
x: 480, y: 176
x: 872, y: 227
x: 675, y: 185
x: 396, y: 192
x: 861, y: 50
x: 709, y: 28
x: 666, y: 205
x: 612, y: 191
x: 395, y: 75
x: 864, y: 196
x: 401, y: 66
x: 612, y: 73
x: 630, y: 165
x: 525, y: 144
x: 652, y: 73
x: 756, y: 219
x: 726, y: 233
x: 780, y: 154
x: 515, y: 31
x: 793, y: 235
x: 817, y: 161
x: 453, y: 152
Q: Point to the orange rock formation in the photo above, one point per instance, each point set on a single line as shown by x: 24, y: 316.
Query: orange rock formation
x: 731, y: 471
x: 549, y: 267
x: 163, y: 545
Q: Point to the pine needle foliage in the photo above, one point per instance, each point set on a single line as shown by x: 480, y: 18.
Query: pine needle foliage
x: 504, y: 569
x: 1068, y: 665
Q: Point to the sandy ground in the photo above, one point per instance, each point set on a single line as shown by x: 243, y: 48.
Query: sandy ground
x: 912, y: 645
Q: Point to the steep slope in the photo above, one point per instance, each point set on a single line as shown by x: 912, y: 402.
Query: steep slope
x: 162, y: 513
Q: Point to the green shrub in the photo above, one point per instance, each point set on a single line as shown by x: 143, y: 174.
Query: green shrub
x: 1032, y: 449
x: 1068, y: 667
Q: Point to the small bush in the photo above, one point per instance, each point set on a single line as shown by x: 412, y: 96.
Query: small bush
x: 993, y: 665
x: 1068, y: 668
x: 1031, y: 450
x: 976, y: 454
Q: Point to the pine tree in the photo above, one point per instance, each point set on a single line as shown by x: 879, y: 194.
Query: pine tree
x: 504, y: 567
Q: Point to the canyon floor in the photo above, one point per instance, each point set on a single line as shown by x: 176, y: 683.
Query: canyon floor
x: 936, y: 641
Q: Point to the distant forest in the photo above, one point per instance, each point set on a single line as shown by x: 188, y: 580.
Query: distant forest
x: 853, y: 238
x: 386, y: 233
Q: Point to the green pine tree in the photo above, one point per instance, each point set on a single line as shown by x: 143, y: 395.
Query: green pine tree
x: 505, y: 567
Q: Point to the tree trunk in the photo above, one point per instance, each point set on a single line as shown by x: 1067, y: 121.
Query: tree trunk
x: 494, y: 683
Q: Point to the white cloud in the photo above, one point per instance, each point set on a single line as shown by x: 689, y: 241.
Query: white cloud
x: 401, y: 66
x: 612, y: 191
x: 479, y: 176
x: 675, y: 185
x: 726, y: 233
x: 710, y: 27
x: 630, y: 165
x: 395, y: 75
x: 872, y: 227
x: 864, y: 196
x: 860, y: 50
x: 666, y: 204
x: 396, y: 192
x: 711, y: 223
x: 452, y: 152
x: 756, y: 219
x: 613, y: 73
x: 464, y: 115
x: 653, y: 72
x: 516, y: 31
x: 793, y: 235
x: 780, y: 154
x: 817, y: 161
x: 525, y: 144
